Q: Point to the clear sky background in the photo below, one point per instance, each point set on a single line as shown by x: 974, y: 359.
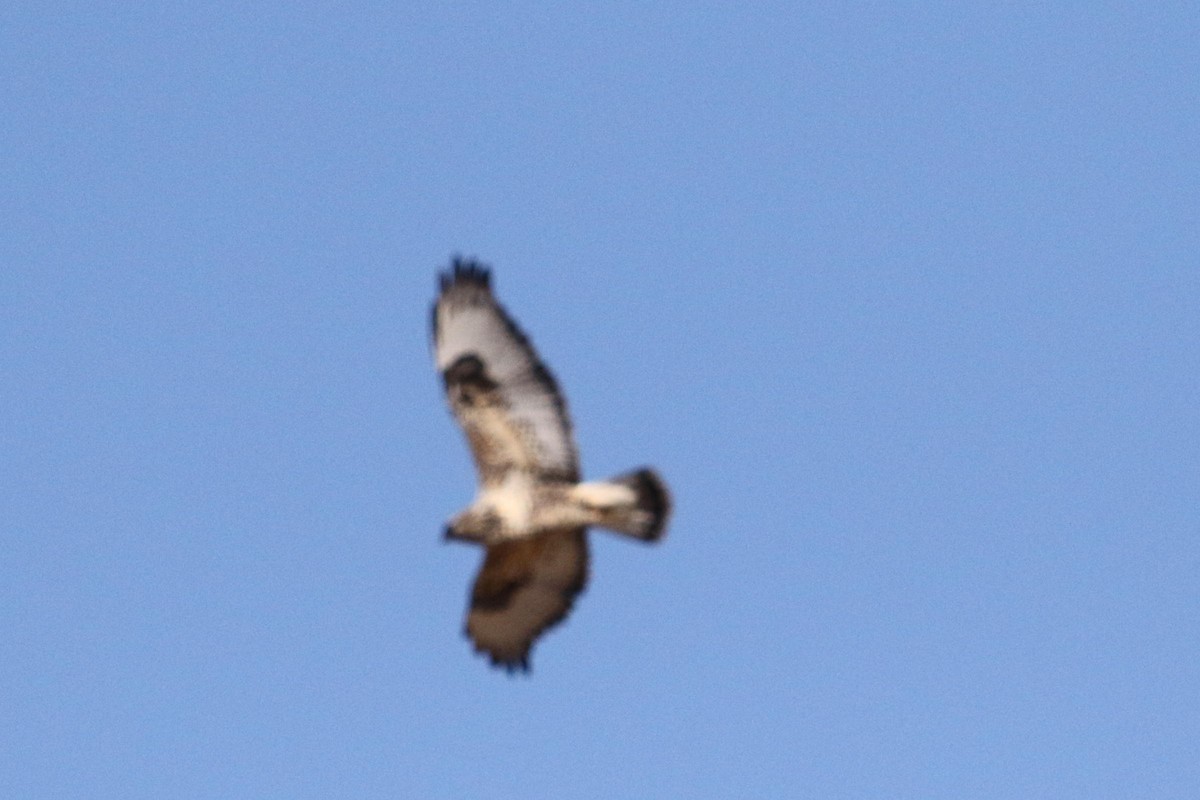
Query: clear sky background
x: 901, y: 298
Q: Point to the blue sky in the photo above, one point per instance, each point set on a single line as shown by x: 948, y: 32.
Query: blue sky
x: 901, y: 298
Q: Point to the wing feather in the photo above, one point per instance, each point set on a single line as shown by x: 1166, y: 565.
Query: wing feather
x: 506, y: 401
x: 525, y: 587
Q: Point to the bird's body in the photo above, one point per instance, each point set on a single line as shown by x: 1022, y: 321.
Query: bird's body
x: 531, y: 511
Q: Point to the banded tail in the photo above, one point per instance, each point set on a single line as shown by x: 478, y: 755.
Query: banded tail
x: 636, y: 504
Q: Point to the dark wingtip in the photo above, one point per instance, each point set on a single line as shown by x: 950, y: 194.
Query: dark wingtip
x: 462, y: 272
x: 519, y: 667
x: 512, y: 666
x: 465, y: 270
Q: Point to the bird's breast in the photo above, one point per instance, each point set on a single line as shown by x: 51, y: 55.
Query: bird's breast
x: 512, y: 501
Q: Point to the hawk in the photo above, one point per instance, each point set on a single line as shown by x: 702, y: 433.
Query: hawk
x: 532, y: 511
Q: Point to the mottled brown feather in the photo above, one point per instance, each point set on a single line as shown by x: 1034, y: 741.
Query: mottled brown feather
x: 524, y: 587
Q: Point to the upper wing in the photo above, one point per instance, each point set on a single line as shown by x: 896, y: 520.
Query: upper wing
x: 506, y: 401
x: 524, y: 587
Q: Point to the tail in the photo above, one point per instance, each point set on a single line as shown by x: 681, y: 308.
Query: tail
x: 635, y: 503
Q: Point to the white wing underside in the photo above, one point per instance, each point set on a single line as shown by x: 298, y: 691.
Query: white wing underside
x: 528, y: 428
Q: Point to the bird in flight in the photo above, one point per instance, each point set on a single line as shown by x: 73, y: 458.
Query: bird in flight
x: 532, y: 510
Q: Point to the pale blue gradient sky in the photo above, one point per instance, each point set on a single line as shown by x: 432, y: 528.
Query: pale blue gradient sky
x: 902, y: 298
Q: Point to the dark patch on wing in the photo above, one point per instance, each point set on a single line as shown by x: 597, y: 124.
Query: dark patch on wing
x: 494, y: 594
x: 471, y: 392
x: 468, y: 371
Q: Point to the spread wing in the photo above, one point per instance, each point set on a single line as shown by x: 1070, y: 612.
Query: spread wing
x: 505, y: 399
x: 524, y: 587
